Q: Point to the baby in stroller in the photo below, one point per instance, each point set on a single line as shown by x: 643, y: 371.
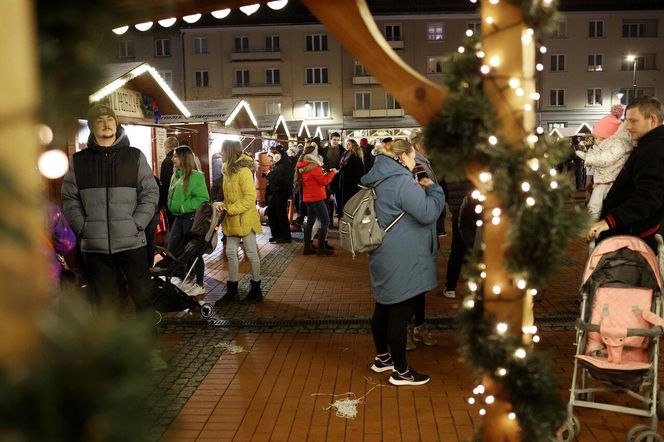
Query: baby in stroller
x: 618, y: 333
x: 201, y: 240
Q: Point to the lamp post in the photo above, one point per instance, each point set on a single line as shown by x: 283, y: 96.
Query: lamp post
x: 633, y: 59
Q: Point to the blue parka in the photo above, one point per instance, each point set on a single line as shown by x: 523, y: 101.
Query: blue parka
x: 405, y: 263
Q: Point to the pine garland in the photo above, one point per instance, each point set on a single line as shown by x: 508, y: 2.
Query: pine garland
x: 535, y: 197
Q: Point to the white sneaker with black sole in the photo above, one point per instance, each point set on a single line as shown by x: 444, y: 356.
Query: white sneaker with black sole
x: 449, y: 294
x: 409, y: 377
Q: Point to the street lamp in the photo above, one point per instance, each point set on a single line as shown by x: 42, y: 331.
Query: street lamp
x: 307, y: 106
x: 633, y: 59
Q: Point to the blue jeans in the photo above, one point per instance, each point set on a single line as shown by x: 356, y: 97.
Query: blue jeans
x: 181, y: 226
x: 318, y: 209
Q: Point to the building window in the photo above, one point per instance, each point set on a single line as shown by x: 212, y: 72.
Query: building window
x: 241, y: 44
x: 200, y: 45
x: 557, y: 97
x: 162, y: 47
x: 360, y: 70
x: 474, y: 26
x: 435, y: 32
x: 316, y: 43
x: 639, y: 28
x: 272, y: 107
x: 242, y: 77
x: 434, y: 65
x: 272, y: 76
x: 272, y: 43
x: 316, y: 75
x: 393, y: 32
x: 556, y: 125
x: 201, y: 79
x: 594, y: 97
x: 391, y: 102
x: 628, y: 94
x: 557, y: 63
x: 595, y: 28
x: 595, y: 62
x: 319, y: 109
x: 126, y: 49
x: 646, y: 62
x: 362, y: 100
x: 167, y: 76
x: 560, y: 30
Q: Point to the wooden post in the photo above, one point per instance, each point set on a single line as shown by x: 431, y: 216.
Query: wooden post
x: 22, y: 218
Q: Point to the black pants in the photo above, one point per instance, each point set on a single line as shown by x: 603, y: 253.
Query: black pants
x: 457, y: 255
x: 150, y: 231
x: 420, y: 305
x: 388, y: 325
x: 105, y: 272
x: 277, y: 214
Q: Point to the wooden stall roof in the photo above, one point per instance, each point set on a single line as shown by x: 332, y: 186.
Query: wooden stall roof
x: 274, y: 125
x: 231, y: 112
x: 298, y: 129
x: 143, y: 78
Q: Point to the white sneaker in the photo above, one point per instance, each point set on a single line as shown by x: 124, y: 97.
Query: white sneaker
x: 449, y: 294
x: 196, y: 290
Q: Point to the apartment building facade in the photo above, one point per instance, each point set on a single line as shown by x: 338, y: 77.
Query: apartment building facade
x: 299, y: 70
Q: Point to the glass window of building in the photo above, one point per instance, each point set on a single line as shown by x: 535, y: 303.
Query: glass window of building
x: 201, y: 79
x: 594, y: 97
x: 557, y: 97
x: 200, y: 45
x: 362, y: 100
x: 162, y: 47
x: 435, y: 32
x: 393, y: 32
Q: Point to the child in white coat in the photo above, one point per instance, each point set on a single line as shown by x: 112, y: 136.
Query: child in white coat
x: 607, y: 158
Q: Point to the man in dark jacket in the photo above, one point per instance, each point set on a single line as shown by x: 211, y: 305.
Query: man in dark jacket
x: 456, y: 191
x: 109, y: 196
x: 165, y: 174
x: 635, y: 203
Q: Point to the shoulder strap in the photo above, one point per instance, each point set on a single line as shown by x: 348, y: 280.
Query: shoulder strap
x: 398, y: 218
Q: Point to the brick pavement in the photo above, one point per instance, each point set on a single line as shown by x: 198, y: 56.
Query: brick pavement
x: 311, y: 336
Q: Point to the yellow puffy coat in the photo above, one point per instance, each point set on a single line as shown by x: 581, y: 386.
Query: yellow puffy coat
x: 240, y: 199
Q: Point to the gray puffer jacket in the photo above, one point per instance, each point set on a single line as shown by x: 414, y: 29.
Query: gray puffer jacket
x: 109, y: 196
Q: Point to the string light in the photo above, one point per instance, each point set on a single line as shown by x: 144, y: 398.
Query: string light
x: 471, y: 400
x: 543, y: 49
x: 525, y: 186
x: 167, y: 22
x: 495, y: 220
x: 530, y: 201
x: 53, y: 164
x: 493, y: 140
x: 489, y: 20
x: 481, y: 198
x: 494, y: 2
x: 527, y: 107
x: 536, y: 339
x: 519, y: 92
x: 143, y: 26
x: 521, y: 284
x: 479, y: 223
x: 193, y: 18
x: 469, y: 303
x: 520, y: 353
x: 496, y: 289
x: 469, y: 32
x: 532, y: 138
x: 485, y: 69
x: 534, y: 164
x: 532, y: 292
x: 121, y: 30
x: 494, y: 61
x: 539, y: 67
x: 535, y: 96
x: 490, y: 399
x: 277, y: 4
x: 501, y: 328
x: 501, y: 371
x: 480, y: 54
x: 221, y: 13
x: 485, y: 177
x: 45, y: 134
x: 526, y: 38
x: 554, y: 184
x: 461, y: 49
x: 479, y: 389
x: 478, y: 209
x: 250, y: 9
x: 483, y: 275
x: 511, y: 416
x: 553, y: 172
x: 514, y: 83
x: 482, y: 411
x: 475, y: 194
x: 496, y: 211
x: 540, y: 130
x: 472, y: 285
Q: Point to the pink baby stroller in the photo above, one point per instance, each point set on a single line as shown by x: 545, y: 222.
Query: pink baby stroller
x: 617, y: 335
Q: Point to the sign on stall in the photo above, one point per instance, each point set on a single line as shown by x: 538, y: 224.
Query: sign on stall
x: 126, y: 103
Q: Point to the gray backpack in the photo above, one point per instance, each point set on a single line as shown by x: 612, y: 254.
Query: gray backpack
x: 359, y: 229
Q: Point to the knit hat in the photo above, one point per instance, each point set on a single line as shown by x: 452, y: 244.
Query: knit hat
x: 617, y: 110
x: 98, y: 111
x: 387, y: 140
x: 606, y: 127
x: 364, y: 142
x: 316, y: 140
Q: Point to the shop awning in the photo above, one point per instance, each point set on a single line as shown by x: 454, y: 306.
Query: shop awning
x: 232, y: 113
x: 584, y: 128
x: 126, y: 85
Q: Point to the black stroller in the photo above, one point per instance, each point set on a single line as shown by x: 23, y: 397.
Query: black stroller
x: 201, y: 240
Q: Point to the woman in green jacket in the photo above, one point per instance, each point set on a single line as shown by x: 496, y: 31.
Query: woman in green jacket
x: 241, y: 222
x: 186, y: 192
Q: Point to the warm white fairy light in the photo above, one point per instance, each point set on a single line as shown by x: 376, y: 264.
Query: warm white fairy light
x: 535, y: 96
x: 496, y: 211
x: 472, y: 285
x: 525, y: 186
x: 469, y: 32
x: 469, y: 303
x: 481, y: 198
x: 546, y: 2
x: 45, y: 134
x: 532, y: 138
x: 482, y: 411
x: 527, y: 107
x: 496, y: 289
x: 521, y: 284
x: 514, y: 83
x: 479, y: 389
x: 479, y: 223
x: 494, y: 61
x: 121, y: 30
x: 536, y: 339
x: 485, y: 177
x: 511, y: 415
x: 277, y: 4
x: 539, y: 67
x: 490, y: 399
x: 471, y: 400
x: 543, y: 49
x: 553, y: 172
x: 250, y: 9
x: 489, y: 20
x: 526, y: 38
x: 167, y: 22
x: 529, y: 329
x: 534, y: 164
x: 193, y: 18
x: 519, y: 92
x: 143, y: 26
x: 530, y: 201
x: 485, y: 69
x: 473, y: 1
x: 532, y: 292
x: 501, y: 371
x: 461, y: 49
x: 483, y: 275
x: 221, y: 13
x: 520, y: 353
x: 554, y: 184
x: 501, y: 328
x: 475, y: 194
x: 494, y: 2
x: 478, y: 209
x: 493, y: 140
x: 53, y: 163
x: 495, y: 220
x: 480, y: 54
x: 540, y: 130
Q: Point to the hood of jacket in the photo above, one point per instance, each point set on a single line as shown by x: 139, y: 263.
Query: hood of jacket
x: 121, y: 140
x: 655, y: 134
x: 384, y: 167
x: 243, y: 161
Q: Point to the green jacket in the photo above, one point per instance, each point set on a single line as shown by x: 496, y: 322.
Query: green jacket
x: 179, y: 202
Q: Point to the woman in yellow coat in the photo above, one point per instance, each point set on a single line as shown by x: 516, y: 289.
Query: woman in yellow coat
x: 242, y: 221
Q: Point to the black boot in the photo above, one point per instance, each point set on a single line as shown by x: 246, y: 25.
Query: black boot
x: 230, y: 296
x: 255, y: 293
x: 322, y: 250
x: 308, y: 249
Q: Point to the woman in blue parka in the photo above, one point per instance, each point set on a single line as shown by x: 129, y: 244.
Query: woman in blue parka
x: 404, y: 265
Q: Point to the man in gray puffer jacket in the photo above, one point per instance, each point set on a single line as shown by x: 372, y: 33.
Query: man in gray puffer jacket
x: 109, y: 196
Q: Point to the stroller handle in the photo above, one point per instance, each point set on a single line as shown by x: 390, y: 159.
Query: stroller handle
x: 651, y: 332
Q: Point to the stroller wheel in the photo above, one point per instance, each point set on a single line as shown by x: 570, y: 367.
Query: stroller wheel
x: 207, y: 310
x: 634, y: 432
x: 649, y: 436
x: 569, y: 430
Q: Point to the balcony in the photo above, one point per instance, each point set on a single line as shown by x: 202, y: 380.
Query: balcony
x: 376, y: 113
x: 257, y: 89
x: 364, y: 80
x: 396, y: 44
x: 256, y: 54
